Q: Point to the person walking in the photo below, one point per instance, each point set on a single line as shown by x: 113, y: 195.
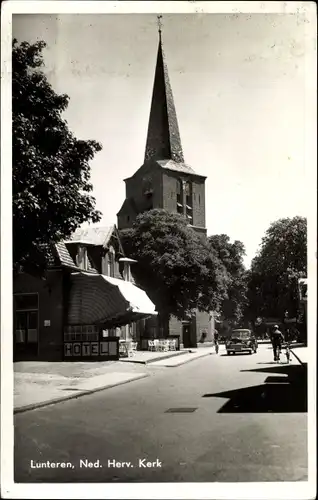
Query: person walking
x: 277, y: 339
x: 216, y: 341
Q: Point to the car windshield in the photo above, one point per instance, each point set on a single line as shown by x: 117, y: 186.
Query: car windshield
x: 241, y: 334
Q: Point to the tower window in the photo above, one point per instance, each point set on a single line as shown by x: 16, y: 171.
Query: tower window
x: 179, y: 196
x: 189, y: 204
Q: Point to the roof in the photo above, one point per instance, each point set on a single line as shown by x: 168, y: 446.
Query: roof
x: 176, y: 166
x: 64, y: 255
x: 127, y: 207
x: 93, y: 235
x: 163, y: 138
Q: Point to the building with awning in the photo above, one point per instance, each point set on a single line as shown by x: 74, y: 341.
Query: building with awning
x: 107, y: 301
x: 84, y: 305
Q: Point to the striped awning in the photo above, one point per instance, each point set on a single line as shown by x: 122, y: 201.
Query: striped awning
x: 99, y: 299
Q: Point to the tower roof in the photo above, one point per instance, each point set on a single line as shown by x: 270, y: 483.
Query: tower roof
x: 163, y: 139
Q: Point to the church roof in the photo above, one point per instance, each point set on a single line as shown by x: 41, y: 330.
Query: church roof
x: 128, y: 207
x: 177, y: 166
x: 163, y: 138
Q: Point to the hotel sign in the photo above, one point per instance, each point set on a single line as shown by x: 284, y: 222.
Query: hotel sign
x: 89, y: 349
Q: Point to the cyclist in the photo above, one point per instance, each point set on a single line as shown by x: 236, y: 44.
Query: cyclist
x: 277, y: 339
x: 216, y: 341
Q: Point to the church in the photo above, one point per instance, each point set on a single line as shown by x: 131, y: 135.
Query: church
x: 165, y: 181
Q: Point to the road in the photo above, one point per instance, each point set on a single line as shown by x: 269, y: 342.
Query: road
x: 236, y: 420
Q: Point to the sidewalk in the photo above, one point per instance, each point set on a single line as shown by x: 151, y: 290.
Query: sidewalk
x: 190, y: 355
x: 39, y: 384
x: 300, y: 353
x: 176, y: 358
x: 146, y: 357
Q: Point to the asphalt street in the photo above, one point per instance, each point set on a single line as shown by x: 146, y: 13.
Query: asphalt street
x: 219, y: 418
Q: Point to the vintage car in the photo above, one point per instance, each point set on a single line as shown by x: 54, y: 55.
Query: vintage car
x: 241, y: 340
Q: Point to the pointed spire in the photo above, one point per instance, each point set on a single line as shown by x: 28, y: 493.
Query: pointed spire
x: 163, y: 139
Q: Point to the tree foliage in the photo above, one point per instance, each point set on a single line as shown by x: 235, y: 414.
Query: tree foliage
x: 280, y: 262
x: 51, y: 172
x: 175, y: 267
x: 231, y: 256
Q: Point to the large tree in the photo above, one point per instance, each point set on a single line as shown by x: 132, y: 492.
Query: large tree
x: 51, y: 172
x: 280, y: 262
x: 231, y: 255
x: 175, y: 267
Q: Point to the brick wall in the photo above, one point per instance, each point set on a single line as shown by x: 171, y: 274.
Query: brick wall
x: 50, y: 293
x: 198, y: 204
x: 134, y: 188
x: 169, y: 191
x: 175, y: 327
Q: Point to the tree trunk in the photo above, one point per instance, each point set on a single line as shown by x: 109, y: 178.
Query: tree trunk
x: 163, y: 324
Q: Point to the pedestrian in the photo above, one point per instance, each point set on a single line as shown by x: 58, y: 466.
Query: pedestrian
x: 277, y: 339
x: 216, y: 341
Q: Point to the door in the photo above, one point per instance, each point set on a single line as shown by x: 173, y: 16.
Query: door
x: 186, y: 335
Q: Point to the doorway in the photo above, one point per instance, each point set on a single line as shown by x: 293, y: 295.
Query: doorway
x: 186, y: 335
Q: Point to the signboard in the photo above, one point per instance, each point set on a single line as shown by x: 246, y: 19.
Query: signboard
x: 91, y: 349
x: 47, y: 322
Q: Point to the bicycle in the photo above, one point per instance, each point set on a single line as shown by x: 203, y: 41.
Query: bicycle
x: 287, y: 352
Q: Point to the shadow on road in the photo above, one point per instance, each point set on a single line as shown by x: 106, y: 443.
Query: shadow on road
x: 283, y: 393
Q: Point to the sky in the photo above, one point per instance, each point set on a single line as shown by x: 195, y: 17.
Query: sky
x: 240, y: 84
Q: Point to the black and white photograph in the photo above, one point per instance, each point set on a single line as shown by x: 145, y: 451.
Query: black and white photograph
x: 158, y: 194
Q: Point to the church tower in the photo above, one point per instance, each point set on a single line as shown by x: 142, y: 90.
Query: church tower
x: 164, y: 180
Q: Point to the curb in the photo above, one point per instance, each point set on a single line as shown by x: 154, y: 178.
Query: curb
x: 48, y: 402
x: 298, y: 359
x: 189, y: 360
x: 159, y: 358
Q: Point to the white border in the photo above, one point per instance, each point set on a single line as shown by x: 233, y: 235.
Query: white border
x: 288, y: 491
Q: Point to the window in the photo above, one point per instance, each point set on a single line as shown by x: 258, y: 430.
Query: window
x: 111, y: 262
x: 127, y: 273
x: 26, y: 301
x: 26, y: 320
x: 189, y: 204
x: 81, y: 258
x: 179, y: 196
